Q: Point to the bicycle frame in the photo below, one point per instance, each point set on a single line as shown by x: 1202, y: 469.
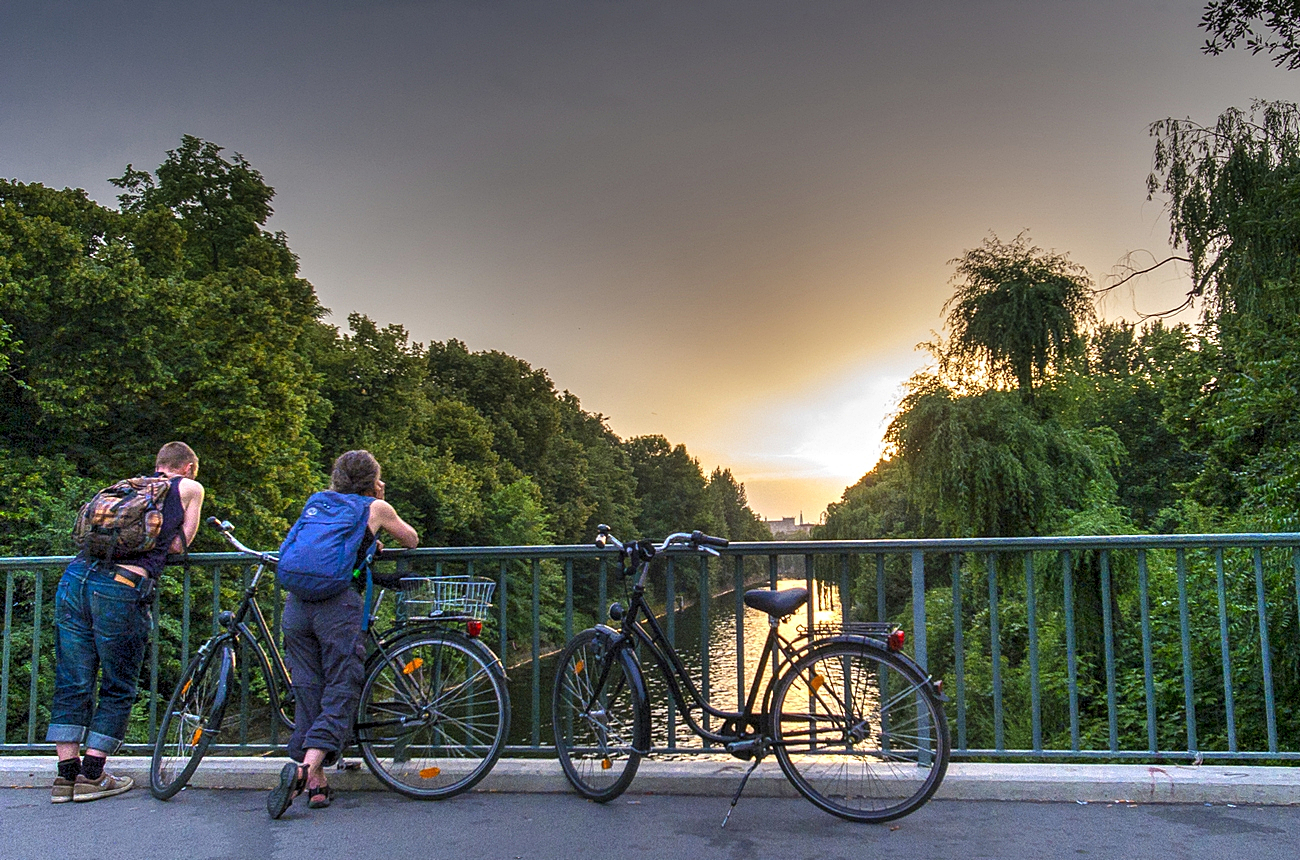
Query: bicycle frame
x: 777, y: 650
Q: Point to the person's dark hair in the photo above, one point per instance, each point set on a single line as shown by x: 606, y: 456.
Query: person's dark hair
x: 175, y: 456
x: 355, y: 472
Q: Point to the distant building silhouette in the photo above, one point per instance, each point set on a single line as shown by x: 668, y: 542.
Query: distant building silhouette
x: 786, y: 526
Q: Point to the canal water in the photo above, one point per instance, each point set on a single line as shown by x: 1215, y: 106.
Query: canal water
x: 668, y: 730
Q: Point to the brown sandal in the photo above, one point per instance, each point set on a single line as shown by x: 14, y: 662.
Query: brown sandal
x: 293, y: 779
x: 319, y: 797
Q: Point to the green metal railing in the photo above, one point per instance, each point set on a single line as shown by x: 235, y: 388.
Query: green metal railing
x: 1107, y: 648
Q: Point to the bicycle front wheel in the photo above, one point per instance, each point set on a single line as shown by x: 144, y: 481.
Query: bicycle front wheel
x: 191, y: 721
x: 600, y: 716
x: 859, y: 732
x: 433, y: 715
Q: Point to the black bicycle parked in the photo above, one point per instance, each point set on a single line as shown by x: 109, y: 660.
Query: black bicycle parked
x: 434, y: 710
x: 856, y: 725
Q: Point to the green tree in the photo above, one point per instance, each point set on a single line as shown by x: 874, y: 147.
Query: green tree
x: 1234, y: 203
x: 1270, y: 26
x: 1135, y: 381
x: 1017, y: 314
x: 220, y: 203
x: 671, y: 488
x: 729, y: 508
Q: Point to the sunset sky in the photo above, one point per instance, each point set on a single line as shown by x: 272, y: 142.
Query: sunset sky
x: 726, y: 222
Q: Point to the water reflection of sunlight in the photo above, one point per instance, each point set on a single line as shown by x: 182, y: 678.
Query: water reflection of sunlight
x: 726, y: 677
x: 723, y: 682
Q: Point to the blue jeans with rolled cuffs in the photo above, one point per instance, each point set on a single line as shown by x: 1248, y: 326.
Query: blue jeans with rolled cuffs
x: 102, y: 629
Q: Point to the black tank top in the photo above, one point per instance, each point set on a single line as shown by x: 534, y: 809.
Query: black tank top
x: 173, y: 518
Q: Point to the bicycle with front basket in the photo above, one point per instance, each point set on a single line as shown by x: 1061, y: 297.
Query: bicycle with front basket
x: 855, y: 724
x: 434, y: 709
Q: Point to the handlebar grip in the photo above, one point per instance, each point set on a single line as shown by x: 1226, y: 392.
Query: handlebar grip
x: 214, y: 522
x: 700, y: 538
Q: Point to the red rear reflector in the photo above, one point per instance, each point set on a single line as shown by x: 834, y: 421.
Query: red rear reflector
x: 473, y: 628
x: 896, y: 640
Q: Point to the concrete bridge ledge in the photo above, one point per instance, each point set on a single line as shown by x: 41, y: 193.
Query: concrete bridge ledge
x: 1099, y: 783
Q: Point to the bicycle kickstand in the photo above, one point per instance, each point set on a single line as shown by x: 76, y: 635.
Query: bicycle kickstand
x: 743, y: 780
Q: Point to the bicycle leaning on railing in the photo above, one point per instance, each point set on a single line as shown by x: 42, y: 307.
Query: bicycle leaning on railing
x: 434, y: 710
x: 856, y: 725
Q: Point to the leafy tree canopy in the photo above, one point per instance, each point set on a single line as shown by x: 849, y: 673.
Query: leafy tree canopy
x: 1268, y: 26
x: 179, y: 316
x: 1017, y: 313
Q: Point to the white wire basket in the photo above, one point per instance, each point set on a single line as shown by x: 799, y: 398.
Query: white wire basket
x: 444, y: 596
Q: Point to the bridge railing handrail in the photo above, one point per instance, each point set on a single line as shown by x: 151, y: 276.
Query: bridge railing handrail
x: 1002, y: 619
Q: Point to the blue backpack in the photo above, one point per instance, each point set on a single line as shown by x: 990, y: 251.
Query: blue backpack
x: 319, y: 554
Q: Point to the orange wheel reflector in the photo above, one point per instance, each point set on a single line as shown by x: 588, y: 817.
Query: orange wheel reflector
x: 606, y: 764
x: 577, y: 667
x: 430, y: 772
x: 816, y: 683
x: 194, y: 741
x: 412, y: 666
x: 186, y: 688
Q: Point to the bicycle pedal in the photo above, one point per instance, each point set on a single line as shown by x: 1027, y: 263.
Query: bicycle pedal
x: 348, y: 765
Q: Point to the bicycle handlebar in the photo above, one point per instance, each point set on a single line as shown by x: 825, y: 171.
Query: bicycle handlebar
x: 227, y: 530
x: 697, y: 539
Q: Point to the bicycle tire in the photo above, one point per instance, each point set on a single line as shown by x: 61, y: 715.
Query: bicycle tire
x: 433, y: 715
x: 191, y: 721
x: 598, y: 732
x: 859, y: 732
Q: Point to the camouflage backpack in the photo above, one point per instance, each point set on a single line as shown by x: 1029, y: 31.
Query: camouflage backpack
x: 124, y: 520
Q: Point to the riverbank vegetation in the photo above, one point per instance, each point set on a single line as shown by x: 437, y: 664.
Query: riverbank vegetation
x: 1036, y: 418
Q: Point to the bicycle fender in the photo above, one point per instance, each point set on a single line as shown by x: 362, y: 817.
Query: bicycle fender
x: 877, y: 645
x: 395, y: 637
x: 614, y: 639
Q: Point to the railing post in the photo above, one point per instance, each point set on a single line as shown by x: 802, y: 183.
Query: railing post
x: 739, y: 594
x: 1071, y: 657
x: 1108, y: 633
x: 995, y: 649
x: 958, y: 651
x: 1035, y: 694
x: 4, y: 660
x: 36, y: 656
x: 537, y: 652
x: 705, y: 644
x: 918, y: 608
x: 1265, y: 655
x: 1148, y: 670
x: 670, y: 630
x: 1225, y: 651
x: 1185, y: 638
x: 501, y: 610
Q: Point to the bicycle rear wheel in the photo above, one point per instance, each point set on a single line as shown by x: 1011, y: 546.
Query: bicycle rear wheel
x: 191, y: 721
x: 433, y: 715
x: 600, y: 716
x: 859, y: 732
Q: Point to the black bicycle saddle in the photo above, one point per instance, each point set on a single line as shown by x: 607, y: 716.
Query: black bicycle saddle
x: 778, y: 603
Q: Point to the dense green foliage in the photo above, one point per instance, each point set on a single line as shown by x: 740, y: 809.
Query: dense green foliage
x: 1039, y: 420
x: 179, y: 316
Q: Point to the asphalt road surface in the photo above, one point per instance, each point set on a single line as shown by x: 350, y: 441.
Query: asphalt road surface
x: 215, y: 825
